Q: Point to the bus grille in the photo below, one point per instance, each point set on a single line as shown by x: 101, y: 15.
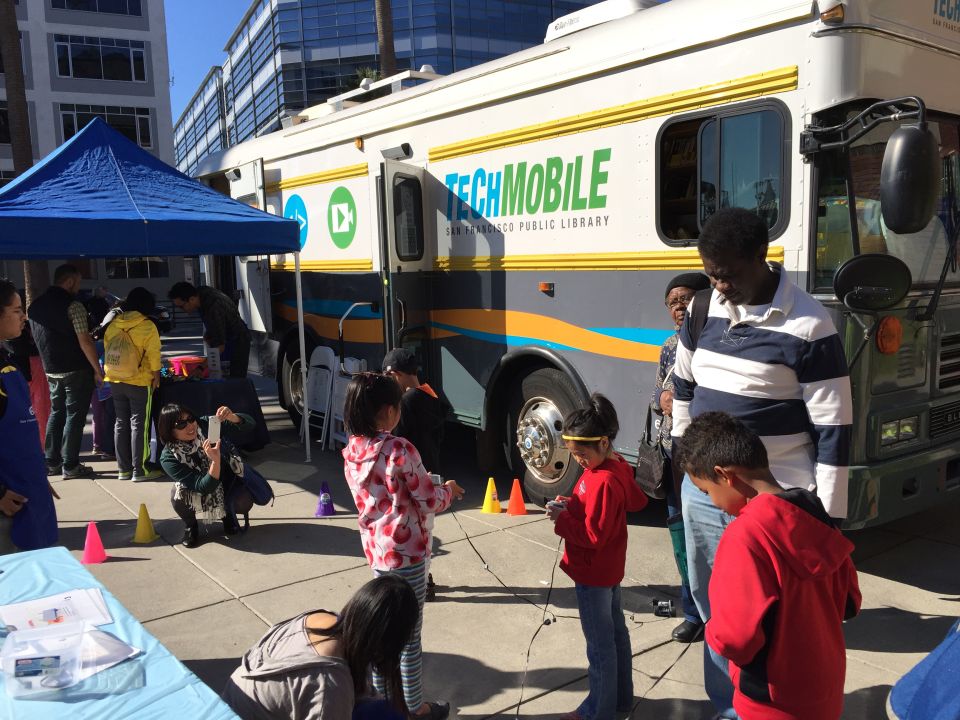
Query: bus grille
x: 949, y: 362
x: 944, y: 420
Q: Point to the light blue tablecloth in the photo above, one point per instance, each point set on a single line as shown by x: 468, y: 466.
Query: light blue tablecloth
x: 153, y: 685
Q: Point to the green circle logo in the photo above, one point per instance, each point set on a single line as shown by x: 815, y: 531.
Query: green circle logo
x: 342, y: 217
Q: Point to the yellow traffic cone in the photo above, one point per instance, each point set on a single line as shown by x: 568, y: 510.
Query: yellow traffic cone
x: 491, y: 503
x: 145, y: 532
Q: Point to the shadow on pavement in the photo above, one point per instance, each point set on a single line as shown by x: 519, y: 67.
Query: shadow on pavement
x: 214, y: 672
x: 891, y: 629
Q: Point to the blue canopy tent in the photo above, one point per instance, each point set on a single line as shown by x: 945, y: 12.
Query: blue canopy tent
x: 101, y: 195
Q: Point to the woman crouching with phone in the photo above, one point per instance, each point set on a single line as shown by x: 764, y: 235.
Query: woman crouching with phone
x: 205, y: 473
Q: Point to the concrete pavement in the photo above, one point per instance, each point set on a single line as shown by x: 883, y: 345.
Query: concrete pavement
x: 209, y: 604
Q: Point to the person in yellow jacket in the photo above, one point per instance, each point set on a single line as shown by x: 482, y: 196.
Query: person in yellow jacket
x: 131, y: 361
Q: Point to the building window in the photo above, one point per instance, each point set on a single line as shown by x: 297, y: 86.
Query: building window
x: 134, y: 123
x: 6, y: 176
x: 136, y: 268
x: 113, y: 7
x: 100, y: 58
x: 4, y: 123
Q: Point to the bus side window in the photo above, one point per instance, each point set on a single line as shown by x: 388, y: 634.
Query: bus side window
x: 734, y: 158
x: 408, y: 217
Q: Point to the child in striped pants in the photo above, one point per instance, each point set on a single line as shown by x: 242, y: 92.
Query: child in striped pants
x: 394, y: 496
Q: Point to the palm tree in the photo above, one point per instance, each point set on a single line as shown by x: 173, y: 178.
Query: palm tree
x: 388, y: 56
x: 35, y: 274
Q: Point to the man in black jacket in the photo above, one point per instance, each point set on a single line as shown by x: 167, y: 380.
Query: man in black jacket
x: 62, y: 334
x: 422, y: 415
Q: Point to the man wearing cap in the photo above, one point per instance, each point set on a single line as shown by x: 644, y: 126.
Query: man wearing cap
x: 421, y: 422
x: 421, y: 411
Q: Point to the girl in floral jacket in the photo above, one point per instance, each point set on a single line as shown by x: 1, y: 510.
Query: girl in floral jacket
x: 394, y: 496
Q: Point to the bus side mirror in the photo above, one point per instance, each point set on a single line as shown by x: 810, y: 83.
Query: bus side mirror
x: 910, y: 179
x: 872, y: 282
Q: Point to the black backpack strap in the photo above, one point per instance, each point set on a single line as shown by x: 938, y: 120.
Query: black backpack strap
x: 698, y: 316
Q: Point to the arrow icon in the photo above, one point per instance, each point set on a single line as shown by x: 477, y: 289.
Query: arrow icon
x: 301, y: 219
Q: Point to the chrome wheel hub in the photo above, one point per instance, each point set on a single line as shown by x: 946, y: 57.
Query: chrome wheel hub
x: 539, y: 439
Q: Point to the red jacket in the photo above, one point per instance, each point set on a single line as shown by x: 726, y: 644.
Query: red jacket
x: 782, y: 584
x: 595, y: 523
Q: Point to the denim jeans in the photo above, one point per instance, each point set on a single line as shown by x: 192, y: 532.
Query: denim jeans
x: 690, y: 612
x: 130, y: 403
x: 69, y: 402
x: 608, y: 652
x: 704, y: 523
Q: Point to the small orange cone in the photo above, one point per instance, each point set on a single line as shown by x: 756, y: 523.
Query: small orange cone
x: 491, y: 503
x: 93, y: 551
x: 516, y: 505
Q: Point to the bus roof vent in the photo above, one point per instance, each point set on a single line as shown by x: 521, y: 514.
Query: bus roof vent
x: 596, y: 15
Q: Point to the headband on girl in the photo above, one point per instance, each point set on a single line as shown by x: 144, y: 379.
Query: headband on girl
x: 583, y: 439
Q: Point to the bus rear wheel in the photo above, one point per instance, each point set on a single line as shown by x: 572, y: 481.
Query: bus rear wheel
x: 537, y: 407
x: 291, y: 382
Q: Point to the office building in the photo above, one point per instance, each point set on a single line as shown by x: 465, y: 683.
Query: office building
x: 95, y: 58
x: 285, y: 56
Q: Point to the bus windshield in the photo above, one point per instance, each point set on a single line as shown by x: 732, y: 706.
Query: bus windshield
x: 837, y: 238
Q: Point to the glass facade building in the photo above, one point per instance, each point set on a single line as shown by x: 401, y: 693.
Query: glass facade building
x: 288, y: 55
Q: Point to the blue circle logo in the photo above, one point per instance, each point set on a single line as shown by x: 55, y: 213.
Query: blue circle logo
x: 296, y: 209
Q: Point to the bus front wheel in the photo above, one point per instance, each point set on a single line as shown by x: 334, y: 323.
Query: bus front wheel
x: 538, y: 405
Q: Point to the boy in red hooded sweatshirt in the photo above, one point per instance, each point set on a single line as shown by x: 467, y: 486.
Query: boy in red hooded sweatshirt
x: 593, y: 524
x: 782, y: 584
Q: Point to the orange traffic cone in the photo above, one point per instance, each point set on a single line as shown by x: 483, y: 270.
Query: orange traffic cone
x: 491, y: 503
x: 93, y: 551
x: 516, y: 505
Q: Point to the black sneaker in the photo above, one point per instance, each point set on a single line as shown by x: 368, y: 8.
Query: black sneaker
x: 79, y: 471
x: 54, y: 470
x: 230, y: 527
x: 438, y: 711
x: 191, y: 536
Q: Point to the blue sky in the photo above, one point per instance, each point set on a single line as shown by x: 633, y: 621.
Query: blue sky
x: 197, y: 31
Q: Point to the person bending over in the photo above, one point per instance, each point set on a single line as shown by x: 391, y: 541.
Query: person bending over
x: 315, y: 666
x: 783, y: 581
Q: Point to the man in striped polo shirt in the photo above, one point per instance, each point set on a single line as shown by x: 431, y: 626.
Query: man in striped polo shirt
x: 769, y: 355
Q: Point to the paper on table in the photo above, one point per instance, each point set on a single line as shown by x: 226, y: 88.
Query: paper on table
x: 73, y: 606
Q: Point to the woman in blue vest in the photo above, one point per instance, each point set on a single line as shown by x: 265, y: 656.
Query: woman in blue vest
x: 28, y: 519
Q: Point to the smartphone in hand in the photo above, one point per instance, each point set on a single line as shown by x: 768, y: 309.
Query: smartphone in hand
x: 213, y: 430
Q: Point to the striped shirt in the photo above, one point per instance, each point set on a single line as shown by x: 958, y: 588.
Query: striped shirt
x: 781, y: 370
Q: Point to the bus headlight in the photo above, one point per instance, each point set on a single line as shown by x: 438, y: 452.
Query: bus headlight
x: 908, y: 428
x: 899, y: 430
x: 889, y: 432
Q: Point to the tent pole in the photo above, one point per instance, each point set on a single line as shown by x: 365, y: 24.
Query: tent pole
x: 305, y: 420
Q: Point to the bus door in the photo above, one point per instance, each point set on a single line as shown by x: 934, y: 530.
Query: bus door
x: 407, y: 255
x: 252, y: 282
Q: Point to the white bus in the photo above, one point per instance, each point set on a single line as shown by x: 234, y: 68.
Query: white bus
x: 515, y: 224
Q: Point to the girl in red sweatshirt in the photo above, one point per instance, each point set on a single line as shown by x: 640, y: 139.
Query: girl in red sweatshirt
x: 593, y: 524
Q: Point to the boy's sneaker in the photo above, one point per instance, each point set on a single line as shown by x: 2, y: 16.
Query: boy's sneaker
x: 80, y: 471
x: 124, y: 474
x: 54, y: 470
x: 149, y: 475
x: 103, y: 455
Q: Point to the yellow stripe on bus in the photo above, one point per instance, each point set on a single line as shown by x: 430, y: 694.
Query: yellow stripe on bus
x: 359, y: 265
x: 326, y: 176
x: 686, y: 259
x: 743, y: 88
